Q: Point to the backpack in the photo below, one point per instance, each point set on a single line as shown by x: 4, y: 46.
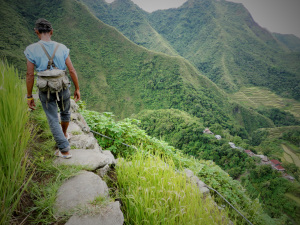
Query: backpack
x: 52, y: 81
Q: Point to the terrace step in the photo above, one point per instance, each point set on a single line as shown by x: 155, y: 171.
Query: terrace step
x: 76, y: 195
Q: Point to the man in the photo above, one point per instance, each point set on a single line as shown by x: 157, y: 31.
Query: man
x: 36, y: 57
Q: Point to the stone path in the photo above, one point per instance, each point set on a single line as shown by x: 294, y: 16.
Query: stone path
x: 76, y: 195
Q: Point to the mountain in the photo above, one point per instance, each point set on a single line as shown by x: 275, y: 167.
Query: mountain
x: 291, y: 41
x: 114, y: 73
x: 131, y: 20
x: 219, y: 37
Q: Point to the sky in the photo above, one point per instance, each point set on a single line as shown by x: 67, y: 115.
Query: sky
x: 280, y: 16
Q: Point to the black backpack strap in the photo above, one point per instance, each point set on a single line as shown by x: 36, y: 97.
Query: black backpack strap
x: 50, y: 62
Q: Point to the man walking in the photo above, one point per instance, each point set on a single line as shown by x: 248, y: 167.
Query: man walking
x: 37, y: 57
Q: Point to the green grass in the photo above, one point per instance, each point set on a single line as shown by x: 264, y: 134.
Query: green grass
x: 154, y: 193
x: 15, y: 134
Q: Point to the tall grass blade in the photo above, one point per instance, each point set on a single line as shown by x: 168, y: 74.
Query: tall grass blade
x: 14, y: 137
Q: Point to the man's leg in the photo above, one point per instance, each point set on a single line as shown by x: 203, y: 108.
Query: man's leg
x: 50, y: 109
x: 64, y: 106
x: 64, y: 127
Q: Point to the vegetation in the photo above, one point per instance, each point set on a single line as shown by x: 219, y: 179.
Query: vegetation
x: 267, y: 183
x: 292, y: 136
x: 127, y: 131
x: 170, y: 95
x: 219, y: 37
x: 15, y: 133
x: 152, y: 190
x: 115, y: 63
x: 186, y: 133
x: 279, y: 117
x: 289, y: 40
x: 129, y: 19
x: 265, y: 100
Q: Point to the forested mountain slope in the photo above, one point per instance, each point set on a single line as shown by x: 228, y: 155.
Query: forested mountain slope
x: 290, y: 40
x: 219, y: 37
x: 132, y: 21
x: 114, y: 73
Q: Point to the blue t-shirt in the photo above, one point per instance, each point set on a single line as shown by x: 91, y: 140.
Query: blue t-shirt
x: 35, y: 54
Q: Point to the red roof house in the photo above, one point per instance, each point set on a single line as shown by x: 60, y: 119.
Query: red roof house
x: 275, y: 162
x: 249, y: 152
x: 279, y: 168
x: 277, y: 165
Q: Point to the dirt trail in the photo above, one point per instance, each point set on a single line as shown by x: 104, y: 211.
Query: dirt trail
x: 288, y: 151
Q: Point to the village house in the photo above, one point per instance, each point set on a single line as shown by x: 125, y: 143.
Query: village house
x: 207, y: 131
x: 232, y: 145
x: 264, y: 159
x: 277, y: 165
x: 218, y: 137
x: 249, y: 153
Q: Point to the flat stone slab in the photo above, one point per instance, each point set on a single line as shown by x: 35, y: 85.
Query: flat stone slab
x: 201, y: 184
x: 204, y: 191
x: 110, y: 215
x: 90, y: 158
x: 74, y: 128
x: 83, y: 141
x: 79, y: 190
x: 188, y: 173
x: 79, y: 119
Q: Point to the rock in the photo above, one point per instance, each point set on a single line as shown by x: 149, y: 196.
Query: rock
x: 83, y: 141
x: 110, y: 156
x: 79, y: 190
x: 92, y: 159
x: 195, y: 179
x: 74, y: 128
x: 110, y: 215
x: 79, y: 119
x: 74, y: 106
x: 103, y: 171
x: 204, y: 191
x: 74, y: 116
x: 201, y: 184
x: 188, y: 173
x: 82, y: 123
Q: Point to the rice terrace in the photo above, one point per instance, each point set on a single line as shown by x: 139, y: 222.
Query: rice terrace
x: 257, y: 97
x: 290, y: 155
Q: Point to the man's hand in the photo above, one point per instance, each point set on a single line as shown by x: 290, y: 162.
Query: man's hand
x: 31, y: 104
x: 76, y: 95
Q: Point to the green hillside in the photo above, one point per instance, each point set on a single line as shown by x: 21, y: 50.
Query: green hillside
x: 129, y: 19
x: 114, y: 73
x: 227, y: 45
x: 258, y: 98
x: 220, y: 38
x: 289, y: 40
x: 261, y: 181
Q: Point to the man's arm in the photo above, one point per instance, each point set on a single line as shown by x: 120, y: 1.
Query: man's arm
x: 74, y: 77
x: 29, y: 84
